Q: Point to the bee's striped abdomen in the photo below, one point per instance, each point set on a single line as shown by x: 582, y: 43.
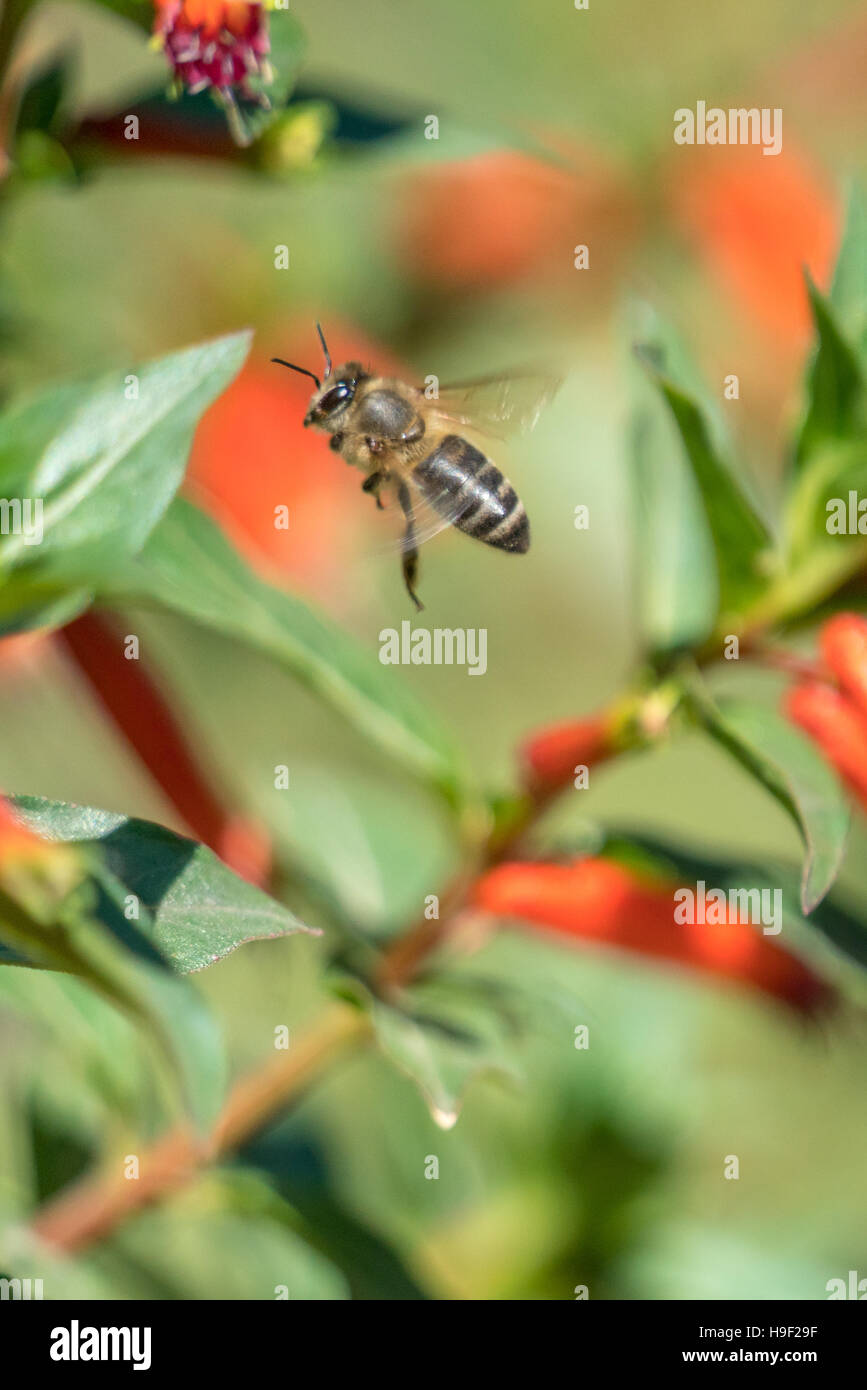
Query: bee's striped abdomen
x: 463, y: 485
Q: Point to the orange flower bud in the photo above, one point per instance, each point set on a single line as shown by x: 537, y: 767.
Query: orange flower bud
x: 844, y: 646
x: 837, y: 726
x: 601, y: 901
x: 17, y: 843
x: 550, y: 758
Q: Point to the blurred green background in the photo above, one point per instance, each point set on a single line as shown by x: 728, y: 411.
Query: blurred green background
x: 607, y: 1168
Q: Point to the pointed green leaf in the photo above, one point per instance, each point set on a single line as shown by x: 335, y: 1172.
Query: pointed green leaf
x: 835, y: 385
x: 740, y: 536
x: 791, y: 769
x: 92, y: 467
x: 675, y: 569
x: 849, y: 287
x: 440, y: 1039
x: 191, y: 907
x: 186, y: 909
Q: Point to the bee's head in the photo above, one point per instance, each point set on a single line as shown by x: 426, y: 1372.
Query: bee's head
x: 333, y: 394
x: 336, y: 393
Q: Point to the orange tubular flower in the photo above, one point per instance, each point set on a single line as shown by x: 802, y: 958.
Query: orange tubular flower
x: 218, y: 44
x: 601, y: 901
x: 511, y: 218
x: 551, y: 757
x: 839, y: 729
x: 758, y: 222
x: 835, y: 716
x: 844, y: 647
x: 138, y: 710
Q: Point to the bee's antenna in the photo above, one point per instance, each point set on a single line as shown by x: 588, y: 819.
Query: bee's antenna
x: 302, y: 370
x: 324, y: 349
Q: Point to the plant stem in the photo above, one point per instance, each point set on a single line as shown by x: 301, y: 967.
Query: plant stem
x: 92, y: 1207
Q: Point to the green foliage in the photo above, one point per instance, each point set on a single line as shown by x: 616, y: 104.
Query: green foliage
x: 83, y: 451
x: 230, y: 1237
x: 707, y: 563
x: 137, y: 904
x: 188, y: 567
x: 441, y: 1038
x: 740, y: 536
x: 835, y: 385
x: 677, y: 599
x: 787, y: 764
x: 190, y: 906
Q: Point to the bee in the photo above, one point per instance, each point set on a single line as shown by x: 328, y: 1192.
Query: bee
x: 410, y: 445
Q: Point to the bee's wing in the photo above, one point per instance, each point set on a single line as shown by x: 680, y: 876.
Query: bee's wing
x: 430, y: 516
x: 499, y: 405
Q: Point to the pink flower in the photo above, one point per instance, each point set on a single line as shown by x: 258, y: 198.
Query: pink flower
x: 216, y: 44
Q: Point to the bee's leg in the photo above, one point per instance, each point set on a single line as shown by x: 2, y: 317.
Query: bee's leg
x: 410, y: 549
x: 372, y: 483
x: 336, y: 442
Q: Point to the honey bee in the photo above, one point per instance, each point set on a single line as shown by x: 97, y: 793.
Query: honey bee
x: 406, y: 443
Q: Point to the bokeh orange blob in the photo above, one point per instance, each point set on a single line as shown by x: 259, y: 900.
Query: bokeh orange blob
x: 758, y: 221
x: 500, y: 218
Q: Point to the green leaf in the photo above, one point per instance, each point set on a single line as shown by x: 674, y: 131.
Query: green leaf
x: 44, y: 92
x: 835, y: 384
x: 740, y: 537
x: 192, y: 908
x: 287, y: 51
x: 97, y: 1062
x: 136, y: 980
x: 849, y: 288
x: 229, y: 1237
x: 835, y: 470
x: 675, y: 569
x: 442, y: 1040
x: 791, y: 769
x: 297, y: 1166
x: 103, y: 467
x: 189, y: 568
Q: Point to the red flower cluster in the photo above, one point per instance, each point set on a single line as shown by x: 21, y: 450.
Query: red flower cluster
x: 834, y: 712
x: 606, y: 903
x: 216, y: 44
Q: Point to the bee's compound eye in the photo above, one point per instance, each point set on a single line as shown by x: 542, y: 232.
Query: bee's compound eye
x: 335, y: 397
